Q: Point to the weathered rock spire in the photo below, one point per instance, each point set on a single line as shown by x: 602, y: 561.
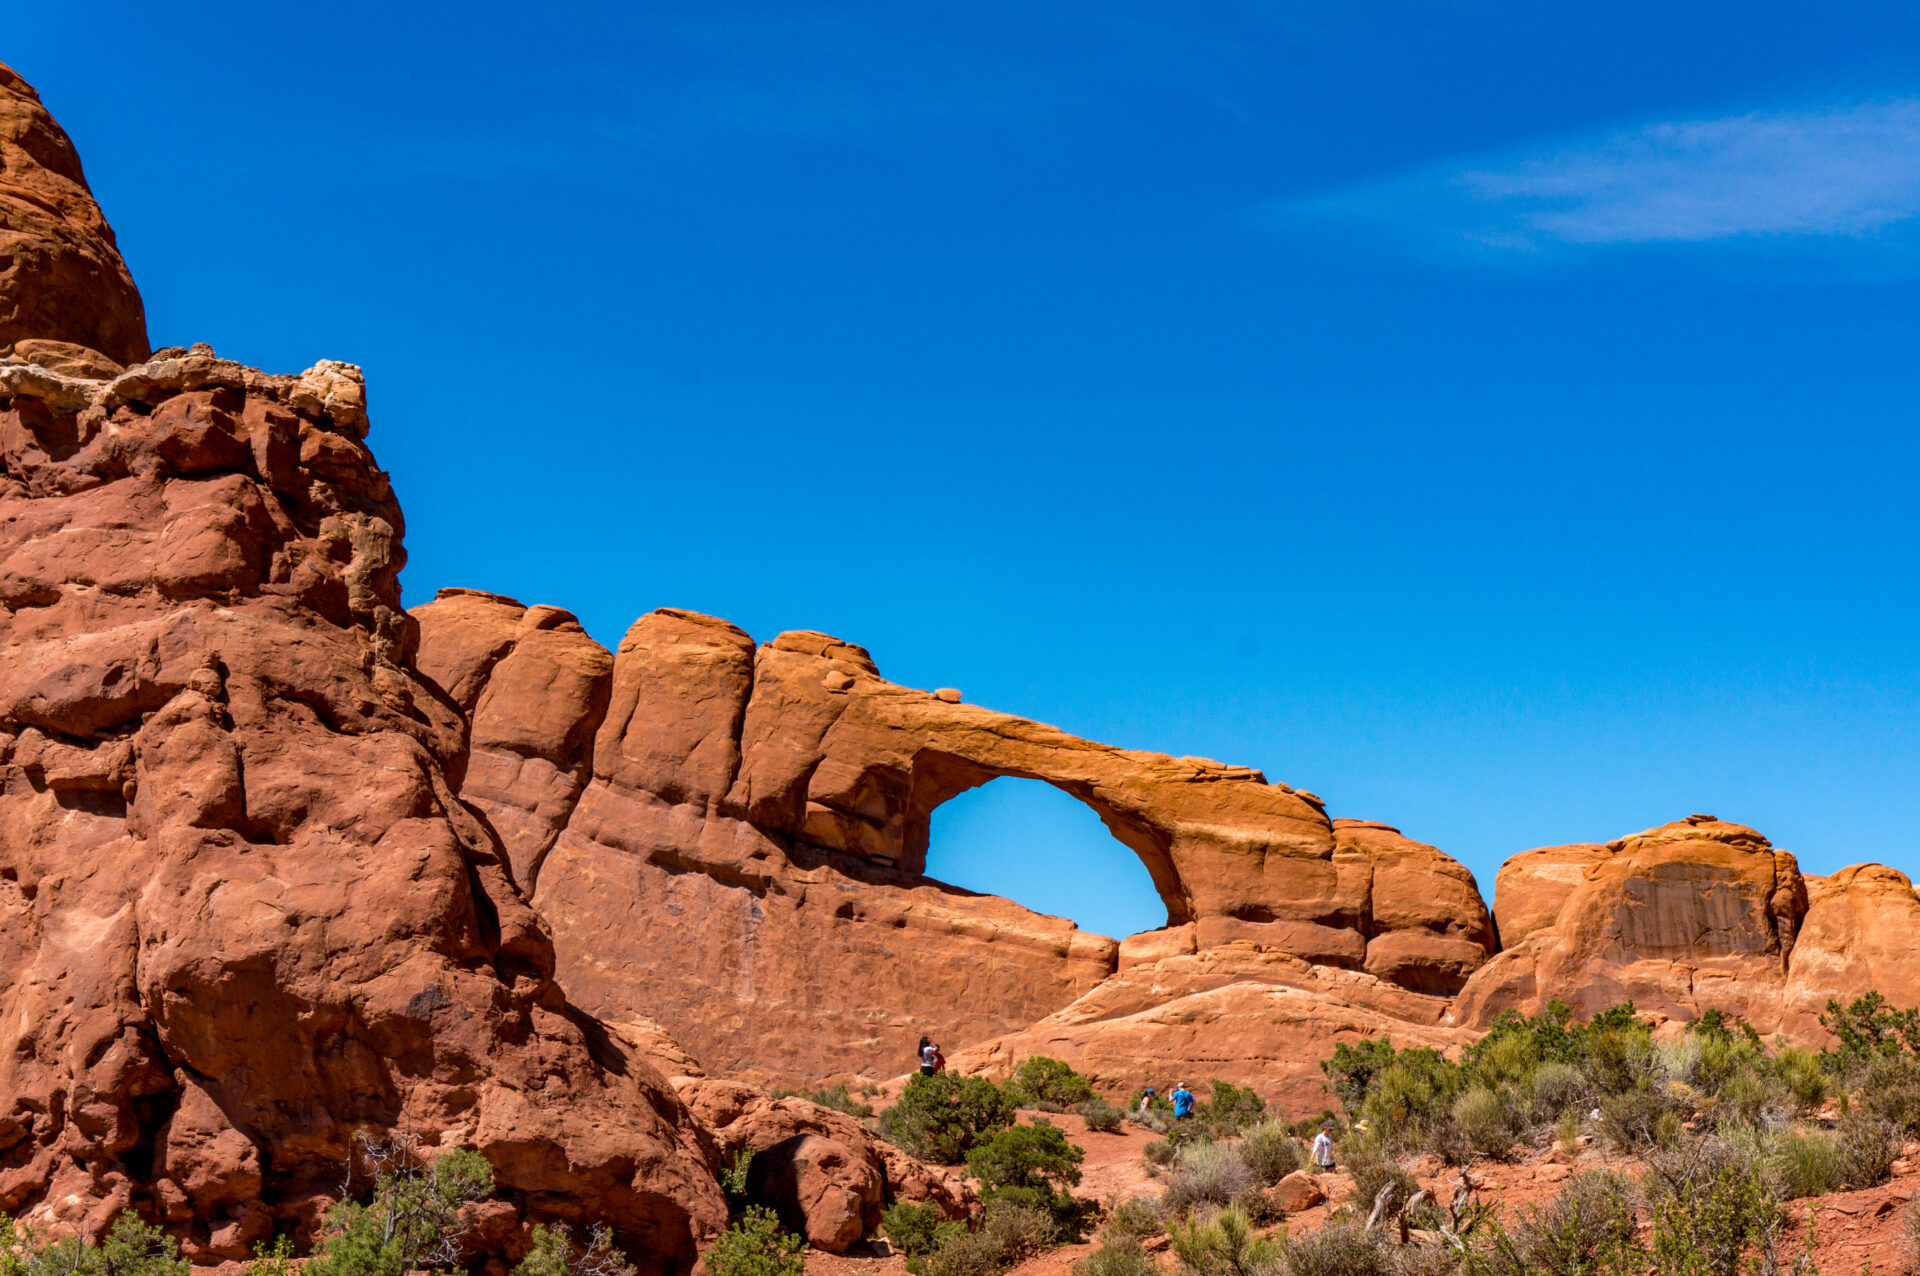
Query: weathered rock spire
x: 61, y: 275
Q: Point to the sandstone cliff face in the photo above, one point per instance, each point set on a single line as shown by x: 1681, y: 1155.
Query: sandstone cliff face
x: 62, y: 282
x: 1695, y: 915
x: 744, y: 863
x: 1692, y: 914
x: 242, y: 913
x: 1857, y: 936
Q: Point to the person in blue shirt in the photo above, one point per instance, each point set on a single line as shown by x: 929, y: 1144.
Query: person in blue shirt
x: 1182, y: 1101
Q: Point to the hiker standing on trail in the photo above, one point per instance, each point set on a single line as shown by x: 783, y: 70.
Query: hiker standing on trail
x: 1323, y: 1147
x: 1182, y: 1101
x: 928, y: 1052
x: 1146, y: 1097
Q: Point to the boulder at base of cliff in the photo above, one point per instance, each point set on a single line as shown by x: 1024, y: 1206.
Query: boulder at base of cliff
x: 827, y: 1175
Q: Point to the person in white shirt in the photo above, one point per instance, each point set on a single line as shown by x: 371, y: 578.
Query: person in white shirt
x: 1323, y: 1147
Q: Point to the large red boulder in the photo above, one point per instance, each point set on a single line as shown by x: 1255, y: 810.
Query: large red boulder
x: 826, y: 1173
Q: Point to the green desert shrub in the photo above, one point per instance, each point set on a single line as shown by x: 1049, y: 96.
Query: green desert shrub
x: 414, y: 1218
x: 1615, y: 1051
x: 1120, y: 1256
x: 733, y: 1173
x: 1868, y: 1029
x: 1271, y: 1152
x: 1231, y: 1108
x: 1338, y: 1249
x: 1804, y: 1163
x: 1890, y: 1091
x: 1488, y: 1121
x: 132, y: 1247
x: 1415, y: 1092
x: 1101, y: 1116
x: 1707, y: 1221
x: 942, y: 1117
x: 1049, y: 1084
x: 1137, y: 1216
x: 1373, y: 1170
x: 1589, y: 1227
x: 1033, y: 1156
x: 757, y: 1246
x: 1802, y: 1076
x: 1556, y: 1087
x: 1007, y: 1235
x: 1033, y: 1166
x: 271, y: 1258
x: 1566, y: 1131
x: 1634, y: 1120
x: 1866, y: 1147
x: 1206, y: 1174
x: 1751, y: 1097
x: 1161, y: 1152
x: 1224, y: 1244
x: 553, y: 1253
x: 838, y: 1097
x: 915, y: 1230
x: 1353, y: 1067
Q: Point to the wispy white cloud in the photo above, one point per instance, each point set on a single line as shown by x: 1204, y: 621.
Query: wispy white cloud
x: 1851, y: 172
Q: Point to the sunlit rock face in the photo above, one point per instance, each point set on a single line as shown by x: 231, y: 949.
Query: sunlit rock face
x: 739, y: 853
x: 242, y: 912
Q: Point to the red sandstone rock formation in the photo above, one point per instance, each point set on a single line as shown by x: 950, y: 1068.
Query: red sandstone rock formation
x: 768, y: 810
x: 745, y: 863
x: 1695, y: 914
x: 1857, y: 936
x: 63, y: 285
x: 1251, y: 1015
x: 242, y: 913
x: 826, y: 1173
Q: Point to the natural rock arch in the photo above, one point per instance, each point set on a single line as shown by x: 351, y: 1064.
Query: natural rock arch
x: 740, y: 854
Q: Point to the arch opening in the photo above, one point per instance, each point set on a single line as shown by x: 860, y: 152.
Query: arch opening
x: 1044, y: 849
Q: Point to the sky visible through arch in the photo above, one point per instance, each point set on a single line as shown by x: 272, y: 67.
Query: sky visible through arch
x: 1497, y: 418
x: 1034, y: 843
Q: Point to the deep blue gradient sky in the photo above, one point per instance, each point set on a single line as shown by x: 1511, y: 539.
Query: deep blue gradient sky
x: 1497, y: 418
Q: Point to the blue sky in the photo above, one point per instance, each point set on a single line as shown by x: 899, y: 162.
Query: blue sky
x: 1497, y: 418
